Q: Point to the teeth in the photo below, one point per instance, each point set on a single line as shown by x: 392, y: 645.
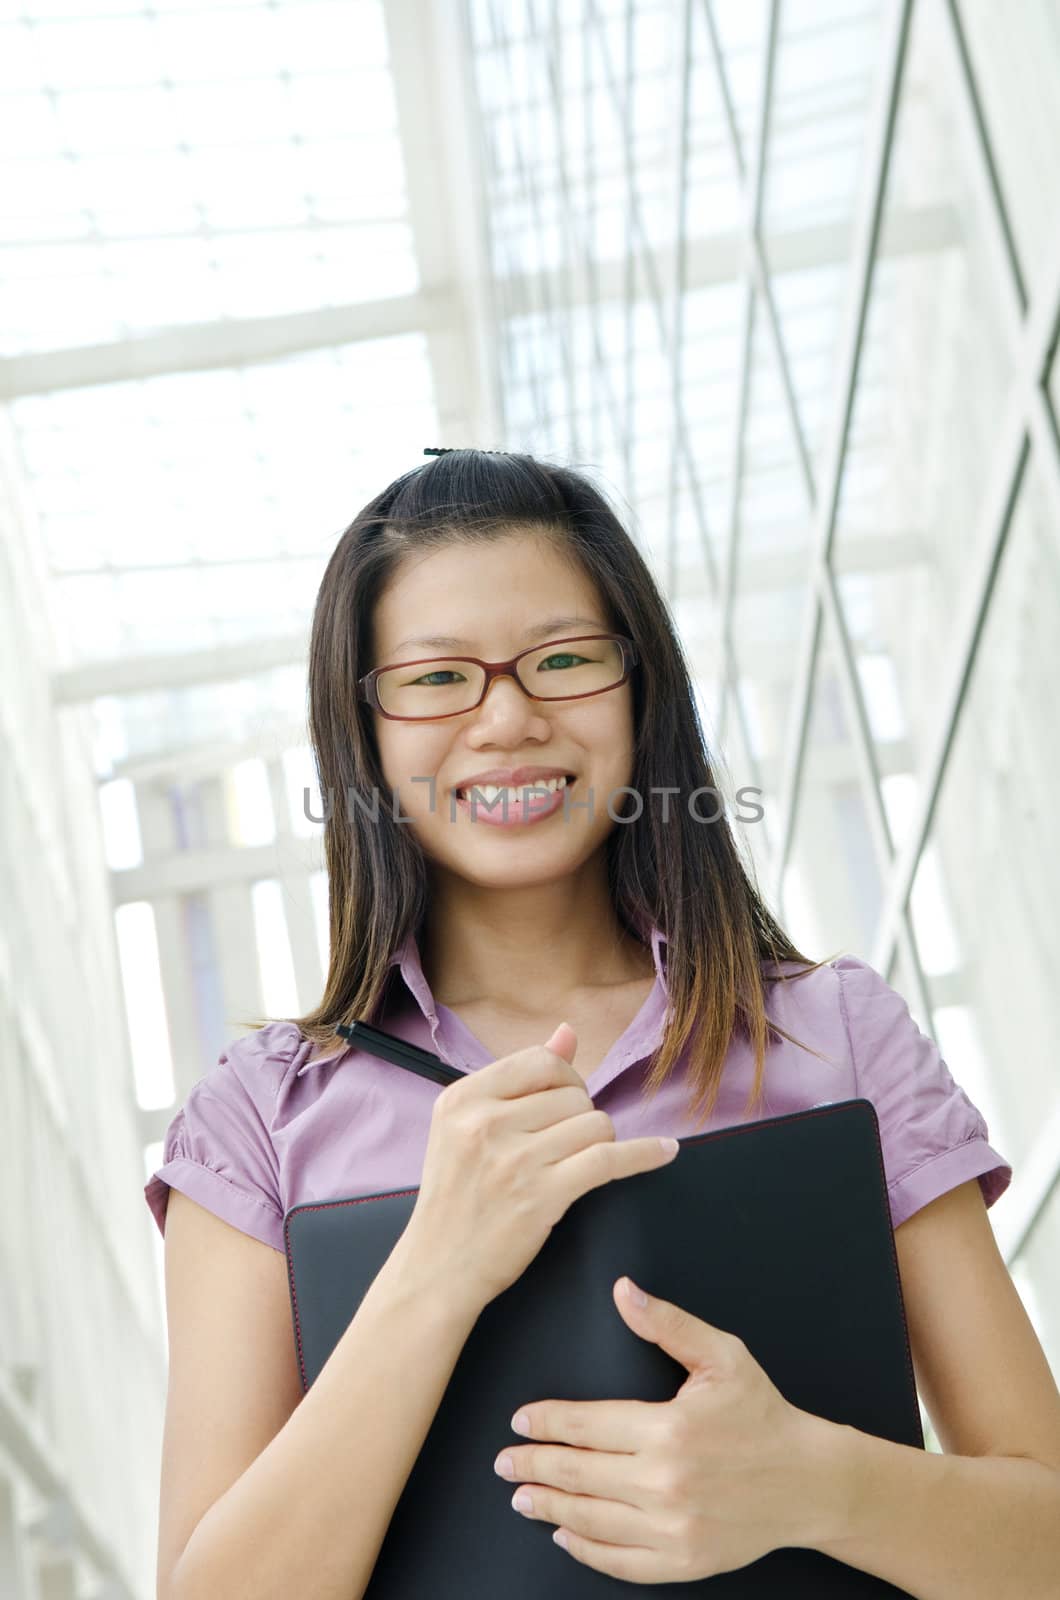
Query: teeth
x: 490, y: 791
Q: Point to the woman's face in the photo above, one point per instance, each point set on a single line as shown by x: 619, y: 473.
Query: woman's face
x: 491, y: 596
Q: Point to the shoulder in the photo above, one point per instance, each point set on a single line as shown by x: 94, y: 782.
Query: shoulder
x: 885, y: 1042
x: 843, y: 988
x: 219, y: 1148
x: 932, y: 1134
x: 811, y: 999
x: 247, y: 1078
x: 245, y: 1081
x: 259, y: 1061
x: 847, y: 1001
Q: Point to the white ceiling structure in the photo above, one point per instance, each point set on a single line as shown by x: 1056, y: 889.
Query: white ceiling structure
x: 782, y: 271
x: 238, y: 293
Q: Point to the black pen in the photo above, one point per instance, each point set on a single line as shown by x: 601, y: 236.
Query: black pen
x: 403, y: 1054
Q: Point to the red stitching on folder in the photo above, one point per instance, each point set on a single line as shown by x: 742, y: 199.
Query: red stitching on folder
x: 325, y: 1205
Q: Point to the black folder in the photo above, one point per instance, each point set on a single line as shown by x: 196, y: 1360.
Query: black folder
x: 777, y: 1230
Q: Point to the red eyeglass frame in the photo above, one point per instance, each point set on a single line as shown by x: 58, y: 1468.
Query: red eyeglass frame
x: 367, y: 690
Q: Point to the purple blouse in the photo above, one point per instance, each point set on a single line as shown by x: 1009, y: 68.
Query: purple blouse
x: 268, y: 1128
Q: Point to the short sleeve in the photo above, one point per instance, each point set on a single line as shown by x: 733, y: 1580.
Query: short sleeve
x: 933, y: 1137
x: 218, y: 1148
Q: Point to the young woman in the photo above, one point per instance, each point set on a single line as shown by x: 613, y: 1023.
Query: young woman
x: 589, y: 947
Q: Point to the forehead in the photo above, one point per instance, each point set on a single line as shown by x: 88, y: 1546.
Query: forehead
x: 488, y: 594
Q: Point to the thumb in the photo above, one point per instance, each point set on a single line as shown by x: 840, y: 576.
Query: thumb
x: 697, y: 1345
x: 564, y: 1041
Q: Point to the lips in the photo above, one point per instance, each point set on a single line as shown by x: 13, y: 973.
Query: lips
x: 517, y: 778
x: 509, y: 808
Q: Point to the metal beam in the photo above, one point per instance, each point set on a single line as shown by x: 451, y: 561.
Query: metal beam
x: 867, y: 233
x: 176, y: 669
x: 194, y: 871
x: 237, y: 342
x: 713, y: 260
x: 997, y: 506
x: 441, y: 311
x: 430, y: 72
x: 187, y: 763
x: 999, y: 237
x: 753, y: 185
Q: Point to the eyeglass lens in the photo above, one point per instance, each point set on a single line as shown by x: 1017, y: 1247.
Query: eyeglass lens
x: 555, y: 672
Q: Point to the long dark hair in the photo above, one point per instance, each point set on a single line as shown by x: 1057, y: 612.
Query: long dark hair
x: 682, y: 874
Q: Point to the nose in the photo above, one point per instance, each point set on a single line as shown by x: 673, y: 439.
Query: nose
x: 507, y: 701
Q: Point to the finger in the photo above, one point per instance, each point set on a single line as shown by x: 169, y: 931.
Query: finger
x: 600, y: 1163
x: 621, y: 1426
x: 610, y: 1520
x: 532, y: 1112
x: 600, y: 1473
x: 522, y: 1072
x: 634, y: 1563
x: 700, y: 1346
x: 566, y: 1138
x: 563, y: 1040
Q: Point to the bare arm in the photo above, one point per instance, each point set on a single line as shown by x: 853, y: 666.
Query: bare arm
x: 309, y: 1514
x: 268, y: 1492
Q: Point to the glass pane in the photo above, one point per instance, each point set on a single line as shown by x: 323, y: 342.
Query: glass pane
x: 709, y: 397
x: 826, y: 65
x: 1015, y: 56
x: 753, y: 811
x: 275, y: 962
x: 712, y: 201
x: 741, y: 29
x: 199, y: 508
x: 984, y: 897
x: 772, y: 554
x: 251, y: 820
x: 163, y: 721
x: 832, y: 886
x: 933, y: 388
x: 126, y: 138
x: 691, y: 556
x: 145, y: 1004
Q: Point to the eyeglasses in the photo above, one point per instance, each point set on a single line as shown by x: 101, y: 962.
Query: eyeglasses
x: 455, y: 684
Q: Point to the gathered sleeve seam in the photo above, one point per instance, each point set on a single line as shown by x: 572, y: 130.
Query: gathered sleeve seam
x: 178, y: 1157
x: 973, y: 1138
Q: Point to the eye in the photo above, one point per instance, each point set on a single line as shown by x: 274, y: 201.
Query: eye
x: 561, y: 655
x: 439, y: 672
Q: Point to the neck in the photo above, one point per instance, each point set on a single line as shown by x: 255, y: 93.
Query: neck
x: 526, y: 950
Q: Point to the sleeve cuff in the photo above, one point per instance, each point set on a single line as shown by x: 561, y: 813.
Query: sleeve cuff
x: 217, y: 1194
x: 973, y: 1159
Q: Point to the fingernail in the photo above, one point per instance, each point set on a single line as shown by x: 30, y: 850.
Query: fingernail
x: 521, y: 1423
x: 560, y: 1538
x: 522, y: 1501
x: 638, y: 1296
x: 670, y: 1145
x: 504, y: 1467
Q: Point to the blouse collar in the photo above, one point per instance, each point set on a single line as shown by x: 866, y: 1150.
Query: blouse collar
x: 407, y: 959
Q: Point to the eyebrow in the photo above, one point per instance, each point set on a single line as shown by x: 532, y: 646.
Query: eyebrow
x: 537, y: 630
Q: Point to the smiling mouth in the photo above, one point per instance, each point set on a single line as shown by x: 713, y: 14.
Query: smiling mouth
x: 537, y: 786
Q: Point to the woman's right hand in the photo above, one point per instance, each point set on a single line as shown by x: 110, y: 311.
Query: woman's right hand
x: 511, y: 1146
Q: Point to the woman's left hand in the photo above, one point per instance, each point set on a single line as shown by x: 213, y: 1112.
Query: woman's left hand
x: 683, y: 1489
